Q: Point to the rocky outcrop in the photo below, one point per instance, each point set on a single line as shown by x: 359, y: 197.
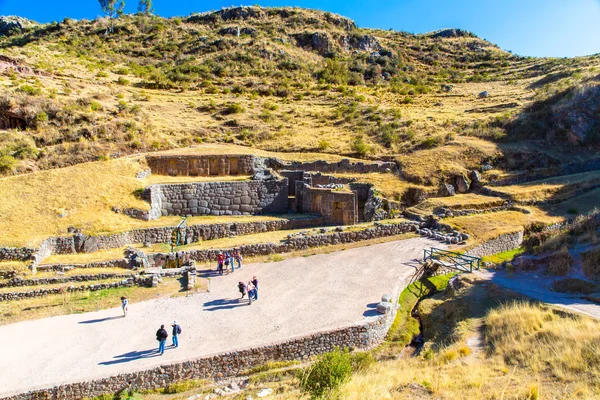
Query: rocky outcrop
x: 317, y: 41
x: 11, y: 25
x: 462, y: 184
x: 451, y: 33
x: 366, y: 43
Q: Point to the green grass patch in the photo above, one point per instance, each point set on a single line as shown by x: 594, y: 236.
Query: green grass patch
x: 405, y: 327
x: 499, y: 258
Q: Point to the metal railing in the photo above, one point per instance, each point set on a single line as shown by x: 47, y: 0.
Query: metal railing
x: 451, y: 259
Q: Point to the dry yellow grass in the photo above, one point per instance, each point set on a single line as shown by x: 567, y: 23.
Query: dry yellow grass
x: 46, y: 203
x: 458, y: 202
x: 491, y: 225
x: 389, y: 184
x: 551, y: 188
x: 80, y: 302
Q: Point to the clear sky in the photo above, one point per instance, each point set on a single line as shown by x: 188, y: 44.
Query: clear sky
x: 558, y: 28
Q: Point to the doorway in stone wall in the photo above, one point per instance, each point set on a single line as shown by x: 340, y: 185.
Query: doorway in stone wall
x: 316, y: 204
x: 337, y: 213
x: 172, y: 169
x: 213, y: 166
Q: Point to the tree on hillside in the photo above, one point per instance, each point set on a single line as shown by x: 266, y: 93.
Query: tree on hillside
x: 113, y: 9
x: 145, y: 7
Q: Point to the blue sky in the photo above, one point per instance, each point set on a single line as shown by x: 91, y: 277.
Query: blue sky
x: 557, y: 28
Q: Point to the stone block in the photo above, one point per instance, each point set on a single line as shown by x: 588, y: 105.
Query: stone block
x: 224, y: 202
x: 245, y: 199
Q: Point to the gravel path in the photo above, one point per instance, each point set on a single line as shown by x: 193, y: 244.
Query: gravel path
x: 298, y: 296
x: 538, y: 287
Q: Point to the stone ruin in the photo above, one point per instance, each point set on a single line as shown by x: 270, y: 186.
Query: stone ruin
x: 276, y: 187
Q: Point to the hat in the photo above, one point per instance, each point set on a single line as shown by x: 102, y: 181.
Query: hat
x: 174, y: 322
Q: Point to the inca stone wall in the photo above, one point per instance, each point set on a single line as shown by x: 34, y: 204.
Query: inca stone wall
x: 502, y: 243
x: 344, y: 165
x: 363, y: 336
x: 16, y: 253
x: 218, y: 198
x: 196, y: 165
x: 336, y: 207
x: 298, y: 243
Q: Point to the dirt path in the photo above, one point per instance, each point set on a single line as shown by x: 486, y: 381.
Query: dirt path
x: 539, y: 288
x: 298, y: 296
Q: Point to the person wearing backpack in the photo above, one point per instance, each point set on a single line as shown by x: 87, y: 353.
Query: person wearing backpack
x: 161, y: 336
x: 242, y: 288
x: 176, y: 332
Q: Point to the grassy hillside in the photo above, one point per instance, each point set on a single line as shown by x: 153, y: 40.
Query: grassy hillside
x: 285, y: 79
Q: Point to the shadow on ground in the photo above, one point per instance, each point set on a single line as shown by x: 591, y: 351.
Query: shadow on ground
x: 224, y: 304
x: 132, y: 356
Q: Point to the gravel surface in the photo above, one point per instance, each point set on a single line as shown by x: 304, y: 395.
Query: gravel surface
x: 297, y: 297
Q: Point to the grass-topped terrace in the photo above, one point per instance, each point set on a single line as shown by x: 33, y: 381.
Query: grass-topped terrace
x: 458, y: 202
x: 487, y: 226
x: 556, y: 188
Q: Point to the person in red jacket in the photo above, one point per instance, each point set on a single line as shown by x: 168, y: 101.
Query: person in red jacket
x: 220, y: 261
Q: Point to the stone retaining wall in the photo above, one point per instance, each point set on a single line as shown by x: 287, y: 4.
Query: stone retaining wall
x: 300, y: 243
x: 363, y: 336
x: 117, y: 263
x: 201, y: 165
x: 344, y: 165
x: 16, y: 281
x: 135, y: 280
x: 217, y: 198
x: 16, y: 253
x: 502, y: 243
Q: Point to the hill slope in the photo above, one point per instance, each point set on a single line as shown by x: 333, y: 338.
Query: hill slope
x: 284, y: 79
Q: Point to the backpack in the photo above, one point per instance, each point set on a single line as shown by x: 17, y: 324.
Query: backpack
x: 178, y: 330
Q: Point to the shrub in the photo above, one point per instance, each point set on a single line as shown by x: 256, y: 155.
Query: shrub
x: 7, y: 163
x: 591, y: 263
x: 324, y: 145
x: 30, y: 90
x: 560, y: 262
x: 327, y: 374
x: 573, y: 285
x: 448, y: 355
x: 464, y: 351
x: 360, y: 147
x: 41, y: 117
x: 122, y: 81
x: 95, y: 106
x: 234, y: 108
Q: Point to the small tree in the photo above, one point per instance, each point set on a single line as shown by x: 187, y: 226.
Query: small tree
x: 145, y: 7
x: 113, y: 9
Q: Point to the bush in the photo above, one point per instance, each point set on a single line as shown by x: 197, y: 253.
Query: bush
x: 7, y: 163
x: 560, y: 262
x: 590, y: 262
x: 30, y: 90
x: 234, y: 108
x: 327, y: 374
x: 324, y: 145
x: 573, y: 285
x: 360, y: 147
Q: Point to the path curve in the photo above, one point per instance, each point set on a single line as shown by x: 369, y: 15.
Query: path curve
x: 298, y: 296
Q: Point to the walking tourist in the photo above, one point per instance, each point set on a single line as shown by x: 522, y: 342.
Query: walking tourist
x: 251, y: 292
x: 255, y: 283
x: 238, y: 258
x: 229, y: 260
x: 161, y: 336
x: 124, y: 304
x: 175, y: 334
x: 220, y: 261
x: 242, y: 289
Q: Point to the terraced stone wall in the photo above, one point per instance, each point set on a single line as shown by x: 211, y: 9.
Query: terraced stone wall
x: 201, y: 165
x: 502, y: 243
x: 218, y: 198
x: 342, y: 166
x: 363, y: 336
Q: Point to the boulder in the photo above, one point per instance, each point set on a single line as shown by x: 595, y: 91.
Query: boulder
x: 384, y: 307
x: 484, y: 95
x: 462, y: 184
x: 446, y: 190
x: 475, y: 179
x: 386, y: 298
x: 11, y: 24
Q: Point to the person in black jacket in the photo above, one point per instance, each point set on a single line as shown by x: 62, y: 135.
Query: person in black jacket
x: 175, y: 333
x: 161, y: 336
